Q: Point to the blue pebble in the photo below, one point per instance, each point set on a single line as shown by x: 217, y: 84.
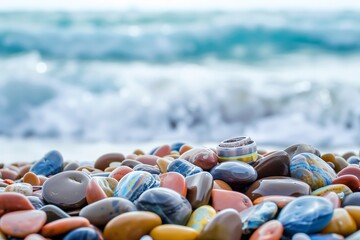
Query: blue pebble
x: 133, y: 184
x: 50, y: 164
x: 353, y: 160
x: 307, y: 214
x: 171, y: 207
x: 326, y: 237
x: 153, y: 151
x: 176, y: 146
x: 84, y: 233
x: 183, y: 167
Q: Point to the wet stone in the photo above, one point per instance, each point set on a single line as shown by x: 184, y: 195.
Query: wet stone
x: 100, y: 188
x: 284, y: 186
x: 307, y: 214
x: 133, y: 184
x: 168, y: 204
x: 200, y: 217
x: 223, y: 199
x: 131, y: 225
x: 301, y: 148
x: 82, y: 233
x: 23, y: 188
x: 340, y: 189
x: 119, y: 172
x: 22, y: 223
x: 147, y: 168
x: 53, y: 213
x: 183, y: 167
x: 352, y: 199
x: 174, y: 181
x: 353, y: 160
x: 226, y: 225
x: 199, y: 188
x: 102, y: 211
x: 63, y: 226
x: 36, y: 202
x: 349, y: 180
x: 104, y: 161
x: 271, y: 230
x: 204, y: 158
x: 280, y: 201
x: 341, y: 223
x: 255, y: 216
x: 236, y: 173
x: 10, y: 202
x: 312, y: 170
x: 50, y: 164
x: 56, y: 189
x: 274, y: 164
x: 173, y: 232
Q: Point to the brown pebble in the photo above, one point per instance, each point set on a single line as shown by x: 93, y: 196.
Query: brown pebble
x: 104, y: 161
x: 32, y: 179
x: 63, y: 226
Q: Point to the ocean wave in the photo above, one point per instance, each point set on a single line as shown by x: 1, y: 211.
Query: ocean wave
x: 169, y: 37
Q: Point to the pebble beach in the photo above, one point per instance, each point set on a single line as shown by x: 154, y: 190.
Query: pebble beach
x: 235, y: 190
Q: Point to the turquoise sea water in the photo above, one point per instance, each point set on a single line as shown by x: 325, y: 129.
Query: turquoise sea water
x: 281, y: 77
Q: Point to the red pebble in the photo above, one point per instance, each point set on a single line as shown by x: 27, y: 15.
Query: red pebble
x: 222, y: 199
x: 174, y: 181
x: 14, y: 202
x: 119, y: 172
x: 163, y: 151
x: 349, y: 180
x: 350, y: 170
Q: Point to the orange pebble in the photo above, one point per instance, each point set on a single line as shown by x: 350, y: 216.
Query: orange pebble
x: 220, y: 184
x: 174, y: 181
x: 184, y: 148
x: 280, y: 201
x: 222, y: 199
x: 271, y: 230
x: 119, y: 172
x: 32, y: 179
x: 341, y: 223
x: 63, y: 225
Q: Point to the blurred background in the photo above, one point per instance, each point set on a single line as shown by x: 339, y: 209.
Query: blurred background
x: 133, y: 72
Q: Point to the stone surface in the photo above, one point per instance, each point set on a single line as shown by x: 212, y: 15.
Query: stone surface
x: 174, y: 181
x: 284, y: 186
x: 226, y: 225
x: 340, y: 189
x: 255, y: 216
x: 57, y: 188
x: 10, y: 202
x: 119, y: 172
x: 168, y: 204
x: 200, y: 217
x: 147, y: 168
x: 64, y: 225
x: 163, y: 164
x: 271, y: 230
x: 183, y: 167
x: 23, y: 188
x: 311, y: 169
x: 50, y: 164
x: 100, y: 188
x: 133, y: 184
x: 220, y: 184
x: 173, y: 232
x: 22, y: 223
x: 334, y: 198
x: 131, y: 225
x: 274, y: 164
x: 349, y: 180
x: 162, y: 151
x: 341, y: 223
x: 352, y: 199
x: 147, y: 159
x: 301, y: 148
x: 204, y: 158
x: 36, y: 201
x: 104, y: 161
x: 199, y: 188
x: 83, y: 233
x: 280, y: 201
x: 236, y: 173
x: 31, y: 178
x: 223, y: 199
x: 53, y: 213
x: 307, y: 214
x: 102, y: 211
x: 354, y: 212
